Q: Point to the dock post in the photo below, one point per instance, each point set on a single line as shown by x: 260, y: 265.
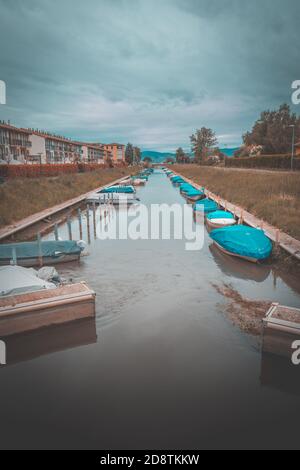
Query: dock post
x: 277, y: 239
x: 14, y: 256
x: 94, y: 218
x: 88, y: 222
x: 241, y: 217
x: 80, y: 223
x: 56, y: 232
x: 69, y: 228
x: 40, y: 252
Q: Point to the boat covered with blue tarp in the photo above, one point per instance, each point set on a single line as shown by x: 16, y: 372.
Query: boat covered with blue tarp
x: 32, y: 253
x: 243, y: 241
x: 205, y: 205
x: 118, y: 189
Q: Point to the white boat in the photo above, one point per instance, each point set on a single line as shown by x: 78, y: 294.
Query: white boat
x: 139, y: 182
x: 112, y: 198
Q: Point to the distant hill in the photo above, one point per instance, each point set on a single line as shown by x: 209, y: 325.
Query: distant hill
x: 157, y: 156
x: 229, y: 151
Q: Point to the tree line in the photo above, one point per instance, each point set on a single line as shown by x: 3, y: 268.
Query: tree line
x: 132, y: 154
x: 271, y: 134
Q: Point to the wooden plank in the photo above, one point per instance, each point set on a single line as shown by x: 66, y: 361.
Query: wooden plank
x: 22, y: 224
x: 33, y: 310
x: 285, y: 241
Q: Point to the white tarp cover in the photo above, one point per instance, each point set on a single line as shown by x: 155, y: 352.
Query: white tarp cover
x: 16, y: 280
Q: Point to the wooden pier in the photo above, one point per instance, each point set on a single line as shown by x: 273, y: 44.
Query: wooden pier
x: 33, y: 310
x: 282, y: 239
x: 23, y: 224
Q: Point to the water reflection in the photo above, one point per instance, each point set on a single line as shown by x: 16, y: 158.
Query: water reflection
x: 26, y: 346
x: 238, y: 268
x: 280, y: 373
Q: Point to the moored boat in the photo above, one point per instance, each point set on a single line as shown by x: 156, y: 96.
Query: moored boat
x: 205, y: 206
x: 242, y: 241
x: 219, y: 219
x: 194, y: 195
x: 44, y: 252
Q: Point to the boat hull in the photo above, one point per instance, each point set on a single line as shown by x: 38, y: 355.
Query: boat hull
x: 236, y: 255
x: 226, y: 223
x: 46, y: 260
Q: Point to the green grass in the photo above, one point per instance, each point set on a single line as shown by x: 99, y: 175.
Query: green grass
x: 271, y: 196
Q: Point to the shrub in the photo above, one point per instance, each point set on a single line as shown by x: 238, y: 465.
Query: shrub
x: 279, y: 162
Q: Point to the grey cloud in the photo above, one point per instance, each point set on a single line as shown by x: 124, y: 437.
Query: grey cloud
x: 149, y: 71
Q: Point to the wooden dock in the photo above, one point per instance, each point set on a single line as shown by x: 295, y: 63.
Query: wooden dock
x: 282, y: 239
x: 22, y: 224
x: 281, y: 330
x: 32, y: 310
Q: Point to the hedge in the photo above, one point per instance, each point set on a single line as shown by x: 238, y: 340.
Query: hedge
x: 280, y: 162
x: 33, y: 171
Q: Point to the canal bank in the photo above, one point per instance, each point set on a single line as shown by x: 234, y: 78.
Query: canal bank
x: 164, y: 367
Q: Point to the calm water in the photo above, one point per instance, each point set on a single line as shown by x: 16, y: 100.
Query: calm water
x: 161, y: 366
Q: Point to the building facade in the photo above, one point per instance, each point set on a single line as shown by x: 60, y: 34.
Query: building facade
x: 35, y: 146
x: 117, y: 151
x: 14, y: 143
x: 93, y: 153
x: 55, y: 149
x: 297, y: 149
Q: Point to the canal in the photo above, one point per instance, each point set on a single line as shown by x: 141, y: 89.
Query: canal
x: 161, y: 366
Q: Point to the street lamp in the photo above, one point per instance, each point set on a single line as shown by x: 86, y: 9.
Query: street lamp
x: 293, y: 145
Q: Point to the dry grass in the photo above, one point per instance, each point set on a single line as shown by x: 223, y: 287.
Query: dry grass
x: 271, y: 196
x: 22, y: 197
x: 245, y: 313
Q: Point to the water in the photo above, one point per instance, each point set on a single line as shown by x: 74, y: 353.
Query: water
x: 161, y: 366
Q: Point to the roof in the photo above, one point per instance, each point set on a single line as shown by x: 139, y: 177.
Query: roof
x: 54, y: 137
x: 9, y: 127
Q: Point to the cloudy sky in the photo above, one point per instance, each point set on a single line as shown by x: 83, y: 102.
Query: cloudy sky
x: 147, y: 71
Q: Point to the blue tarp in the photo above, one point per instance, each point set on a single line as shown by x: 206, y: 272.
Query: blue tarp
x: 205, y: 205
x: 31, y: 249
x: 193, y: 192
x: 220, y: 215
x: 117, y: 189
x: 243, y: 240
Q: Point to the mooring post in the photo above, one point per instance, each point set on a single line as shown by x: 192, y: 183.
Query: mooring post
x: 88, y: 222
x: 40, y: 252
x: 277, y: 237
x: 241, y: 217
x: 94, y: 214
x: 14, y: 256
x: 79, y: 223
x: 69, y: 228
x: 56, y: 232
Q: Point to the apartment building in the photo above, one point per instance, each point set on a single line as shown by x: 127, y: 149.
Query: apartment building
x: 93, y: 153
x: 54, y: 149
x: 117, y: 151
x: 14, y: 143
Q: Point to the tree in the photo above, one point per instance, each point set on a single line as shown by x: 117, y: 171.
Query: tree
x: 137, y: 154
x: 201, y: 142
x: 273, y: 132
x: 180, y: 155
x: 129, y: 154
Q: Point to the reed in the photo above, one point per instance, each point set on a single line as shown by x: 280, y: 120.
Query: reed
x: 22, y: 197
